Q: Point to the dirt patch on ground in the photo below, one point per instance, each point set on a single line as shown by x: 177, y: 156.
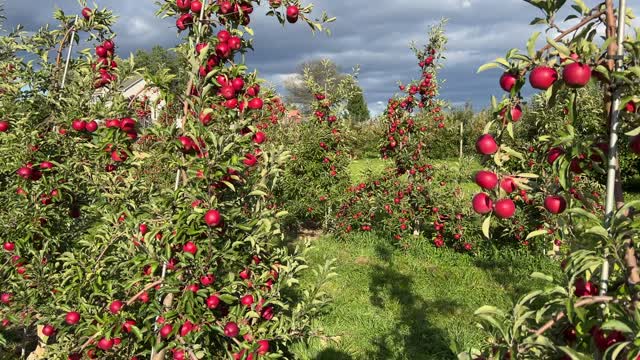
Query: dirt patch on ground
x: 309, y: 234
x: 362, y: 260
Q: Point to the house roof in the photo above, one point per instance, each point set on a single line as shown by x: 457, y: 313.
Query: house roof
x: 130, y: 82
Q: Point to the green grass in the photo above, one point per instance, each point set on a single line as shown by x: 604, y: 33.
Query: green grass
x: 359, y: 168
x: 419, y: 304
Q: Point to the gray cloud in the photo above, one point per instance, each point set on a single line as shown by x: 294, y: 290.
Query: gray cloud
x: 374, y: 35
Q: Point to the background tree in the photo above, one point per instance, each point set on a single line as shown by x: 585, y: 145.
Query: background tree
x: 357, y: 107
x: 158, y: 59
x: 322, y: 71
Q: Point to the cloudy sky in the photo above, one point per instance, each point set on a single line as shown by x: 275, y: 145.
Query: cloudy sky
x: 372, y: 34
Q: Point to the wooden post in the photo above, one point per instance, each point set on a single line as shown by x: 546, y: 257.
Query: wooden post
x: 461, y: 140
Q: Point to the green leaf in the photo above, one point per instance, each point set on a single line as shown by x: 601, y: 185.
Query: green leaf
x: 562, y: 49
x: 617, y: 325
x: 634, y: 132
x: 583, y: 8
x: 536, y: 234
x: 512, y: 152
x: 573, y: 354
x: 538, y: 21
x: 541, y: 276
x: 531, y: 44
x: 583, y: 213
x: 510, y: 130
x: 528, y: 175
x: 486, y: 226
x: 137, y: 332
x: 599, y: 230
x: 488, y: 66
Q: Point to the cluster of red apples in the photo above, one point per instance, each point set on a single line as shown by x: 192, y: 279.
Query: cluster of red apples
x: 105, y: 64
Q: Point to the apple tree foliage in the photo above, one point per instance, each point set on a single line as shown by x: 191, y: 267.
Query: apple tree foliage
x: 583, y: 314
x: 314, y: 181
x: 126, y: 242
x: 414, y: 197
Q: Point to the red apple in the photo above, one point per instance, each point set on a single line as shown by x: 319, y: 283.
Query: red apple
x: 634, y: 144
x: 183, y: 5
x: 184, y: 21
x: 79, y: 125
x: 486, y: 145
x: 213, y: 218
x: 101, y: 51
x: 237, y: 84
x: 196, y: 6
x: 166, y: 330
x: 585, y: 288
x: 543, y: 77
x: 554, y: 154
x: 48, y: 330
x: 231, y: 330
x: 509, y: 185
x: 9, y: 246
x: 186, y: 328
x: 213, y: 301
x: 25, y: 172
x: 482, y: 203
x: 292, y: 13
x: 207, y: 280
x: 72, y: 318
x: 223, y: 50
x: 5, y: 298
x: 250, y: 160
x: 108, y: 45
x: 555, y: 204
x: 235, y: 43
x: 116, y: 306
x: 576, y: 75
x: 190, y: 248
x: 86, y: 13
x: 255, y: 104
x: 631, y: 107
x: 227, y: 92
x: 4, y: 126
x: 105, y: 344
x: 91, y: 126
x: 259, y: 137
x: 508, y: 81
x: 126, y: 327
x: 223, y: 35
x: 486, y: 179
x: 505, y: 208
x: 247, y: 300
x: 263, y: 347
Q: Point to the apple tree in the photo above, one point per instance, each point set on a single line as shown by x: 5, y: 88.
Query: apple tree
x: 317, y: 175
x: 123, y: 242
x: 591, y: 311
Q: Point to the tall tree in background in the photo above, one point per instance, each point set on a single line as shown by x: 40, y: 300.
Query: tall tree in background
x: 160, y: 58
x: 357, y: 107
x: 322, y: 71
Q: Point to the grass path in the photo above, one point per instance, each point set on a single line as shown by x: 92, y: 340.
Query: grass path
x: 415, y: 305
x: 419, y: 304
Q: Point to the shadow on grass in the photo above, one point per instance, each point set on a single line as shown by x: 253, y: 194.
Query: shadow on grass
x: 513, y: 272
x: 412, y: 335
x: 333, y: 354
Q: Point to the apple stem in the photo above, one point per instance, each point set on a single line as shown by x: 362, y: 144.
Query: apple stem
x: 584, y: 21
x: 584, y: 302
